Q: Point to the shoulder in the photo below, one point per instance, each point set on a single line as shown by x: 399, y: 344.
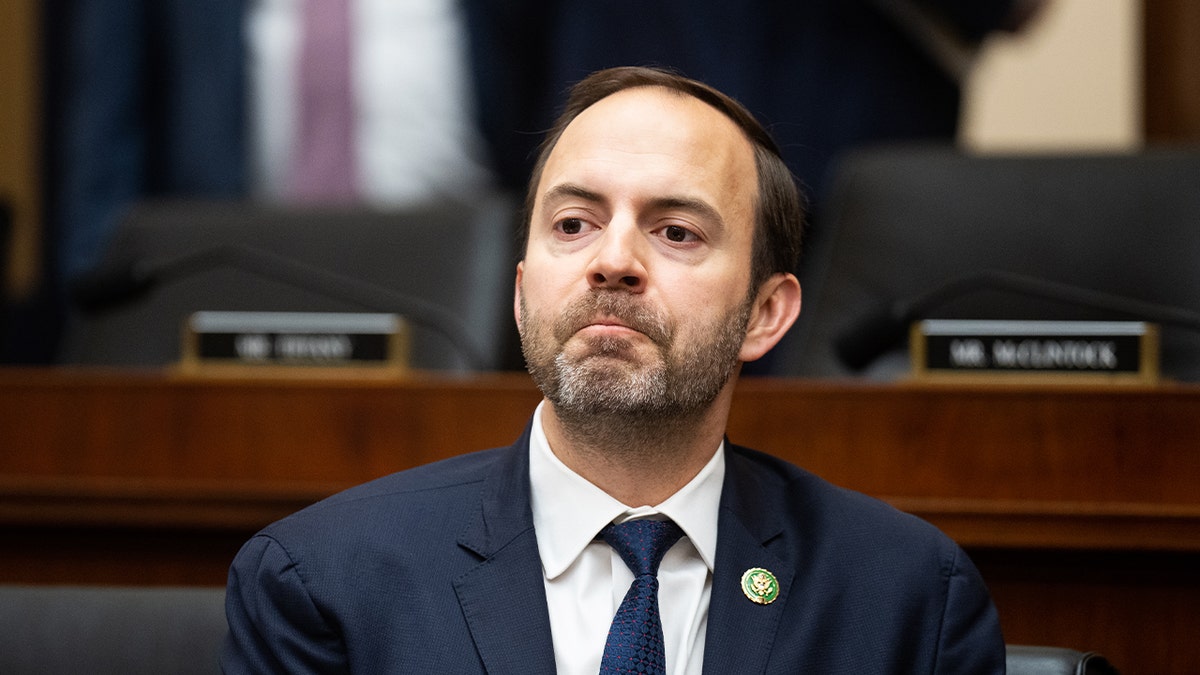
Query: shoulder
x: 395, y: 498
x: 325, y: 578
x: 866, y: 568
x: 844, y: 522
x: 381, y: 522
x: 405, y: 523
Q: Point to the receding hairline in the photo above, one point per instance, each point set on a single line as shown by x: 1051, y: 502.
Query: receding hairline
x: 675, y: 92
x: 545, y: 193
x: 778, y: 203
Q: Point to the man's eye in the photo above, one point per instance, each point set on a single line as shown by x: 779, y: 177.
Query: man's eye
x: 570, y: 225
x: 677, y: 234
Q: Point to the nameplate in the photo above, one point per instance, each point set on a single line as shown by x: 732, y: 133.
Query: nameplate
x: 1122, y: 350
x: 307, y: 339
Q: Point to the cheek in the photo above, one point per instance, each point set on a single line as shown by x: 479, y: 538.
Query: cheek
x: 534, y: 293
x: 540, y: 303
x: 711, y: 294
x: 545, y: 281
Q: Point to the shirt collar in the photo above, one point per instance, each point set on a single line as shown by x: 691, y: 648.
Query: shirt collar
x: 568, y: 511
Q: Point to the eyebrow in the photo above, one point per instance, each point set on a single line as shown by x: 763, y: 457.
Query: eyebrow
x: 669, y: 203
x: 691, y: 205
x: 571, y: 190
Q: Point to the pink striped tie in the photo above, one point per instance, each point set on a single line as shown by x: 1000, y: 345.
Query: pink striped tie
x: 324, y: 168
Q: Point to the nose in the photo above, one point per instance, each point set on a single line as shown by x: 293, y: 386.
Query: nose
x: 618, y: 260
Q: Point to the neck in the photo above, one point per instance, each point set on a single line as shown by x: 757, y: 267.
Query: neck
x: 638, y: 462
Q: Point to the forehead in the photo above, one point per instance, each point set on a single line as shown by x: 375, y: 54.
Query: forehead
x: 656, y: 139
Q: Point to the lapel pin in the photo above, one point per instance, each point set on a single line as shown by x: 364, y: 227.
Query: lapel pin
x: 760, y: 586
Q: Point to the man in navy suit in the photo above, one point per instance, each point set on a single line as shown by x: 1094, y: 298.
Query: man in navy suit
x: 662, y: 228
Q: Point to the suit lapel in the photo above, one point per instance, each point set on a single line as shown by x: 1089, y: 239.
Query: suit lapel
x: 740, y: 632
x: 504, y: 597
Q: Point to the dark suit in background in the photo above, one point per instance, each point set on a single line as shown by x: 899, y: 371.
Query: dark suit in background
x: 147, y: 99
x: 436, y: 570
x: 823, y: 75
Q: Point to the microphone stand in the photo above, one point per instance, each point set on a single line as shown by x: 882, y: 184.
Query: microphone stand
x: 109, y: 288
x: 877, y: 332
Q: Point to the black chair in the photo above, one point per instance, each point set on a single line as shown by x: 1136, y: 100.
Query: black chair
x: 902, y: 222
x: 64, y: 630
x: 448, y: 269
x: 1033, y: 660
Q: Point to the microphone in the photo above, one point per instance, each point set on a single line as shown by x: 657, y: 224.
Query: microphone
x: 878, y: 331
x: 110, y: 287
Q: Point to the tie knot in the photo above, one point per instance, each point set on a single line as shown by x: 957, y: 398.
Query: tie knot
x: 642, y: 543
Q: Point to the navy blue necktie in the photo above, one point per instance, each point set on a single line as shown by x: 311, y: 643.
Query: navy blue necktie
x: 635, y: 639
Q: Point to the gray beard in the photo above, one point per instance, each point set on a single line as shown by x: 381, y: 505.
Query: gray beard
x: 596, y: 398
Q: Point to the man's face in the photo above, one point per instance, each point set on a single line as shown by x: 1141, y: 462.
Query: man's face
x: 633, y: 297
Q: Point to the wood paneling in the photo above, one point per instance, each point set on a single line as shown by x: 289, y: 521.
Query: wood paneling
x: 1138, y: 609
x: 1171, y: 30
x: 20, y: 143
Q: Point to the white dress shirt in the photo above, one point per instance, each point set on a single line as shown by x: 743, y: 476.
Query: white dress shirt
x: 586, y: 579
x: 416, y: 139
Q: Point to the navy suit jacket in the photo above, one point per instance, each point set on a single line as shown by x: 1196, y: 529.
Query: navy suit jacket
x: 436, y: 570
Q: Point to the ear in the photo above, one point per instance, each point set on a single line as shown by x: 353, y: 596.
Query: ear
x: 775, y: 310
x: 517, y: 294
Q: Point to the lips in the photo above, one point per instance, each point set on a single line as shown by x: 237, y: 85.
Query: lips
x: 609, y: 322
x: 607, y: 312
x: 607, y: 328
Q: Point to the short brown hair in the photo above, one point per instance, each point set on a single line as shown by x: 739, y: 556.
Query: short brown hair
x: 779, y: 209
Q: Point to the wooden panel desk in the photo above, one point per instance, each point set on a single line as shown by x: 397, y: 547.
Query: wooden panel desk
x: 1081, y: 505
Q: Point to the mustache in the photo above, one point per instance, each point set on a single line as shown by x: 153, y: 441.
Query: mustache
x: 617, y: 305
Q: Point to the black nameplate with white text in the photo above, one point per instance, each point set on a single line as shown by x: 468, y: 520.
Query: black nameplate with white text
x: 257, y: 347
x: 1125, y: 349
x: 294, y: 339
